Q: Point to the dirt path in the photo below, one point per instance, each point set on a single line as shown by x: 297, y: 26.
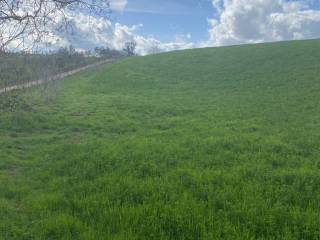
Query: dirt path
x: 57, y: 77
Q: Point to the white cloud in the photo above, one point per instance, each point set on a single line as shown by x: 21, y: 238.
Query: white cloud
x: 236, y: 22
x: 87, y: 33
x: 253, y: 21
x: 218, y: 5
x: 151, y: 45
x: 118, y: 5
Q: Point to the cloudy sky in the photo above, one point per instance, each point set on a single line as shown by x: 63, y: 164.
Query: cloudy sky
x: 178, y: 24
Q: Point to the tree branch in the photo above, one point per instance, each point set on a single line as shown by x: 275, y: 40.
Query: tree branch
x: 28, y: 20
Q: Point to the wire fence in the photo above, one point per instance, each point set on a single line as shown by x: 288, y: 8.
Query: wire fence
x: 49, y: 78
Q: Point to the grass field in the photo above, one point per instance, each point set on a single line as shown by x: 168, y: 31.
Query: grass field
x: 219, y: 143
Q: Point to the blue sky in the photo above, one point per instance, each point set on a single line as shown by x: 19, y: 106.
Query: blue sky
x: 195, y: 20
x: 167, y: 25
x: 168, y: 19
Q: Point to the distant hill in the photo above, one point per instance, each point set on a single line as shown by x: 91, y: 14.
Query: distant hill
x: 214, y: 143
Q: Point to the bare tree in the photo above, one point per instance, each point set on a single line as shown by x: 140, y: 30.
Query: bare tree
x: 130, y: 48
x: 28, y: 21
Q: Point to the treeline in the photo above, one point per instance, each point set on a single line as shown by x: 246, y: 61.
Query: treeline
x: 22, y: 67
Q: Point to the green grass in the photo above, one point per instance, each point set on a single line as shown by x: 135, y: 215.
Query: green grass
x: 219, y: 143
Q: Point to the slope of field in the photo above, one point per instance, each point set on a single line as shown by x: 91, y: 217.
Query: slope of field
x: 219, y: 143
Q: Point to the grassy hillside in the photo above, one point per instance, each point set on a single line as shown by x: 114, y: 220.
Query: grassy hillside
x: 219, y: 143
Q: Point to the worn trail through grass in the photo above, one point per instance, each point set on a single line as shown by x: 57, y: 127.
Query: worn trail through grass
x: 57, y: 77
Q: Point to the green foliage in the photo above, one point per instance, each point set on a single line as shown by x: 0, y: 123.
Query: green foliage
x: 219, y: 143
x: 13, y: 102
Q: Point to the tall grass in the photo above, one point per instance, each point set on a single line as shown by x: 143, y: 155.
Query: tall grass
x: 218, y: 143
